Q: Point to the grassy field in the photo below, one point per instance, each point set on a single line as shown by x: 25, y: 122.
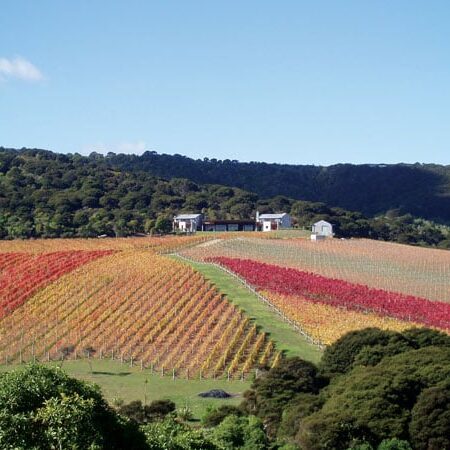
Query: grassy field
x: 285, y: 337
x: 120, y: 381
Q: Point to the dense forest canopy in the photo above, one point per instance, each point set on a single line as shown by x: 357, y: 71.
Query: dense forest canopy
x: 422, y: 190
x: 46, y: 194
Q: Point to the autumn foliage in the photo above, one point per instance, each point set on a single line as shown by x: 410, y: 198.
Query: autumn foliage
x: 22, y: 274
x: 339, y: 293
x: 129, y: 303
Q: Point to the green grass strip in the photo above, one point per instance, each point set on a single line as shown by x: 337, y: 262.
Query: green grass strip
x: 284, y: 336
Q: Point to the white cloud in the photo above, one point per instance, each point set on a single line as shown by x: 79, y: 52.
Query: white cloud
x: 19, y: 68
x: 128, y: 147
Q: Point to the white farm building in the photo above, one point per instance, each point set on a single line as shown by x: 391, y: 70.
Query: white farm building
x: 271, y: 222
x: 188, y: 223
x: 322, y: 229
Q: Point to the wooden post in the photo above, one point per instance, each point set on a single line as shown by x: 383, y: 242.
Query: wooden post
x: 173, y: 374
x: 228, y: 375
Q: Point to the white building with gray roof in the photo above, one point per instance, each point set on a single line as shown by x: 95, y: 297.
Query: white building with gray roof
x: 272, y: 222
x: 188, y: 223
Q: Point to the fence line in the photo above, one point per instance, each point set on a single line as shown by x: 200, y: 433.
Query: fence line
x: 261, y: 297
x: 164, y: 372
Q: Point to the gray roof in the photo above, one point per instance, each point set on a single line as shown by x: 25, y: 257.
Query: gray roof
x: 272, y: 216
x: 322, y: 222
x: 187, y: 216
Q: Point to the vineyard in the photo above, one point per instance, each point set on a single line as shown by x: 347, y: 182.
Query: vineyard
x: 333, y: 287
x: 392, y: 267
x: 157, y: 244
x: 127, y: 302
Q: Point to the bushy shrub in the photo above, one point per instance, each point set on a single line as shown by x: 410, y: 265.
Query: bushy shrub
x: 141, y: 414
x: 240, y: 433
x: 170, y: 434
x: 214, y: 416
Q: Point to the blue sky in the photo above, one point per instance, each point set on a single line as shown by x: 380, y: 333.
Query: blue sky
x: 307, y: 82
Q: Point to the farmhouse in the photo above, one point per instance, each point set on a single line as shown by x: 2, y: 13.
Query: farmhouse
x: 188, y: 223
x: 321, y: 230
x: 229, y: 225
x: 270, y: 222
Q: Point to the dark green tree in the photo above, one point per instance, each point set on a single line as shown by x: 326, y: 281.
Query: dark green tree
x: 430, y: 419
x: 370, y: 404
x: 273, y: 392
x: 43, y: 408
x: 339, y: 357
x: 163, y: 225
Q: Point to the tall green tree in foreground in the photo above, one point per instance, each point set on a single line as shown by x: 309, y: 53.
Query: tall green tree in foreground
x: 43, y: 408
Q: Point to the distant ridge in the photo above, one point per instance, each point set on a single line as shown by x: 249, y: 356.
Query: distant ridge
x: 422, y: 190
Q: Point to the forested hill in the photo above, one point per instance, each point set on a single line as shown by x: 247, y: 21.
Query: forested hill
x: 46, y: 194
x: 422, y: 190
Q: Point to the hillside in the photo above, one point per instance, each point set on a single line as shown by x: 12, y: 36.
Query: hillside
x: 46, y: 194
x: 422, y: 190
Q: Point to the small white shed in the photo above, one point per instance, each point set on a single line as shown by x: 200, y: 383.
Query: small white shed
x: 188, y: 223
x: 322, y: 228
x: 271, y: 222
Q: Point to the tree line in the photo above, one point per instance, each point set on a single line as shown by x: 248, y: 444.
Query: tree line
x: 422, y: 190
x: 46, y: 194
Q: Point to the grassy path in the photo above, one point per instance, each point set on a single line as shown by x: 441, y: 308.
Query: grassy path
x: 285, y: 337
